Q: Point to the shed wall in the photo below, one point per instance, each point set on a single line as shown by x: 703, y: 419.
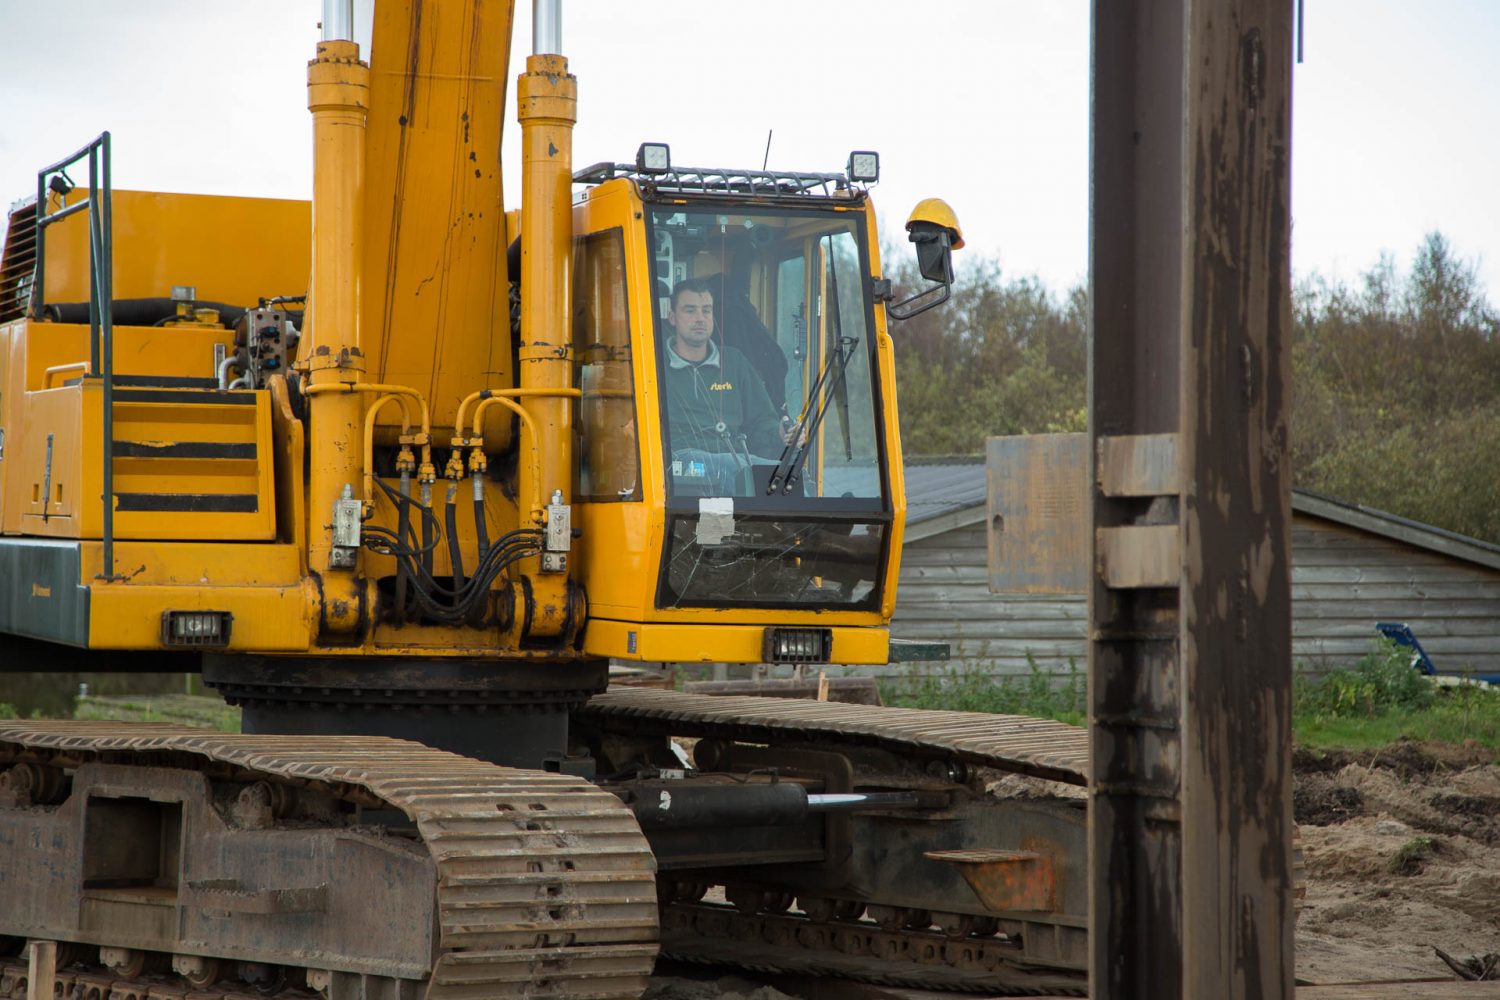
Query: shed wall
x: 1343, y: 581
x: 945, y: 594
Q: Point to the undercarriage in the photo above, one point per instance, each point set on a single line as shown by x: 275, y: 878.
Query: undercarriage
x: 935, y: 849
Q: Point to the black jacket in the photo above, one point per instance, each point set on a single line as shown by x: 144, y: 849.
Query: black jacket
x: 711, y: 403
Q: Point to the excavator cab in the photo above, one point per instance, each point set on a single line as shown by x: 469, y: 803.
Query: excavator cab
x: 743, y: 401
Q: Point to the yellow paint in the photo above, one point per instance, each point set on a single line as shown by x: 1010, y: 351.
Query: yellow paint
x: 896, y: 471
x: 407, y: 326
x: 547, y: 97
x: 718, y: 643
x: 434, y: 299
x: 231, y: 250
x: 194, y: 564
x: 72, y: 416
x: 330, y: 352
x: 266, y: 619
x: 288, y: 440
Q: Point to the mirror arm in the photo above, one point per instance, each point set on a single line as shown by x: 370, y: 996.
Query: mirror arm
x: 895, y: 310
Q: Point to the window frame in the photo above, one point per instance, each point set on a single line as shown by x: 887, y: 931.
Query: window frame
x: 805, y: 508
x: 580, y: 244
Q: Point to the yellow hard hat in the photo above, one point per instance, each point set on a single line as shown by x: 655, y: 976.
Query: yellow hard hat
x: 936, y: 211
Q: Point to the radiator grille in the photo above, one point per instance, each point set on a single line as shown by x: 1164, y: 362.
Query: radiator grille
x: 18, y: 265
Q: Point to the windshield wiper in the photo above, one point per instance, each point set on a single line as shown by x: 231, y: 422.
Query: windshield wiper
x: 841, y: 389
x: 788, y: 469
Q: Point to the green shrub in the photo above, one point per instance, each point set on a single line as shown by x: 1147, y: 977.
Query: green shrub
x: 968, y: 687
x: 1409, y: 857
x: 1383, y: 680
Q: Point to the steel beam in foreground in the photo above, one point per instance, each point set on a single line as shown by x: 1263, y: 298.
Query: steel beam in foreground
x: 1190, y: 603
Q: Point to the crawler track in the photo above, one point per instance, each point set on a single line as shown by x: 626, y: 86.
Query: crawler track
x: 991, y: 959
x: 544, y: 884
x: 858, y: 950
x: 1036, y: 747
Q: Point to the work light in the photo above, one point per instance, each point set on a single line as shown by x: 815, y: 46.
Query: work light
x: 864, y: 166
x: 653, y: 158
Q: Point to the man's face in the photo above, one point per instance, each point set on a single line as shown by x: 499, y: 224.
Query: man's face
x: 693, y: 318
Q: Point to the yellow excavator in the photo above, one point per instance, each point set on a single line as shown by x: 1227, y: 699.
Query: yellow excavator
x: 400, y: 473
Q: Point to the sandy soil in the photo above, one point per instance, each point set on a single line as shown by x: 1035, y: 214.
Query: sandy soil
x: 1403, y: 855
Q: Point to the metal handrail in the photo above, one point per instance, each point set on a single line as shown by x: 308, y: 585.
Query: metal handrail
x: 101, y: 295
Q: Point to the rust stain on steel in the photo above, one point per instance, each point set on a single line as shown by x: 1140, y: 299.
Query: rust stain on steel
x: 1006, y: 880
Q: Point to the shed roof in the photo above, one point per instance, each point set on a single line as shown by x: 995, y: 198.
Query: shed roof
x: 944, y: 485
x: 947, y: 492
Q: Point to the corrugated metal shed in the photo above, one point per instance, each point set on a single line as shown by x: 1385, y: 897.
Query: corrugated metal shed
x: 939, y: 488
x: 1351, y: 567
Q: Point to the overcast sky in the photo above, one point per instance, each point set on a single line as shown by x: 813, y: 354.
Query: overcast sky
x: 983, y: 102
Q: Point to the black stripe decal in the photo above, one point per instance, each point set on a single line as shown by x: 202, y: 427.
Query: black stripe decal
x: 219, y: 503
x: 157, y: 381
x: 199, y: 396
x: 183, y: 449
x: 168, y: 381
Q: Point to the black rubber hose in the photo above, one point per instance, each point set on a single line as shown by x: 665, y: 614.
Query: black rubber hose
x: 403, y: 524
x: 139, y: 312
x: 455, y: 554
x: 481, y: 530
x: 428, y: 541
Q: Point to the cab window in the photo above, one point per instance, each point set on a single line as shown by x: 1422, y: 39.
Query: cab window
x: 609, y: 456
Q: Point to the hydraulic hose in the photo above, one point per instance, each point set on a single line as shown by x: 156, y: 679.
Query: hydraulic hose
x: 455, y: 554
x: 481, y: 530
x: 403, y: 525
x: 149, y: 312
x: 428, y: 541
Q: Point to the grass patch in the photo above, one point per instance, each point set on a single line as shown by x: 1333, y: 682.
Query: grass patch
x: 968, y: 688
x: 1409, y: 856
x: 1380, y: 700
x: 182, y: 709
x: 1383, y: 699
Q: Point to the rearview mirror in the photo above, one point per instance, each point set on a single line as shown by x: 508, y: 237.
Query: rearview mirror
x: 934, y: 252
x: 933, y: 227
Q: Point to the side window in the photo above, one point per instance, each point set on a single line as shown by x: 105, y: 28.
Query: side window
x: 791, y: 327
x: 609, y: 456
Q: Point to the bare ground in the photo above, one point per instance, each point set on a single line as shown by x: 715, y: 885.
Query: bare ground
x: 1403, y: 855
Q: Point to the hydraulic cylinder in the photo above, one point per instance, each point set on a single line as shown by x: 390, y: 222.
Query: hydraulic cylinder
x: 338, y: 97
x: 547, y: 98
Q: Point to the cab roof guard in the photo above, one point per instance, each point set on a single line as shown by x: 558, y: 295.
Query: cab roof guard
x: 702, y: 180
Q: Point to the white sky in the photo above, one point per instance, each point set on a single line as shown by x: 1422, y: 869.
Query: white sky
x: 983, y: 102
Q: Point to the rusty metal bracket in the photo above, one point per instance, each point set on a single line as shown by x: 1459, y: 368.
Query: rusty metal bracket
x: 1006, y: 880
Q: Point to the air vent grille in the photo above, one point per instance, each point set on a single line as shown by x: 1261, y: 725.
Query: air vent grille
x: 18, y: 265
